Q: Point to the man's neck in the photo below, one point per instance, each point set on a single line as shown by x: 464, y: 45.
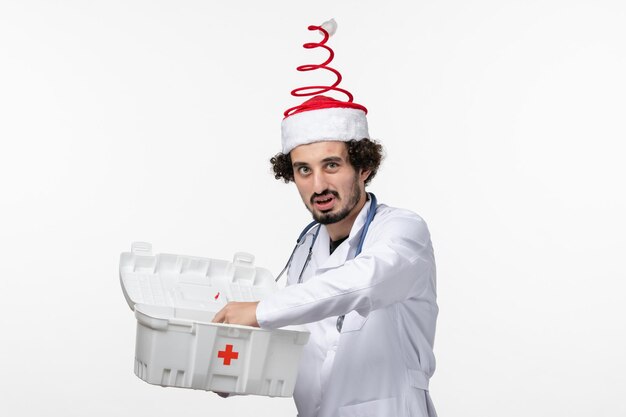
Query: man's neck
x: 342, y: 229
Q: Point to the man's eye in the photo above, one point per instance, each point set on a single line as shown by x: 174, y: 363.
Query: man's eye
x: 303, y: 170
x: 332, y: 165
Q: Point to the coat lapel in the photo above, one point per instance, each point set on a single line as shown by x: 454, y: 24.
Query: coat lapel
x: 321, y: 250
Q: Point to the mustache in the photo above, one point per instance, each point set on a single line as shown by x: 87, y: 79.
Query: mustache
x: 323, y: 194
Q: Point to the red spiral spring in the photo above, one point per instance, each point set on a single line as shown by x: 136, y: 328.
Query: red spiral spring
x: 318, y: 89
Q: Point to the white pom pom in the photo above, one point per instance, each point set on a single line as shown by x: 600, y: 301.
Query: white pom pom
x: 330, y: 26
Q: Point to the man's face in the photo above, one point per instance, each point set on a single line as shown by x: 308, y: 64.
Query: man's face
x: 329, y: 185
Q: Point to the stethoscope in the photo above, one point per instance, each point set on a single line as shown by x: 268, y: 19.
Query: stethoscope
x: 371, y: 212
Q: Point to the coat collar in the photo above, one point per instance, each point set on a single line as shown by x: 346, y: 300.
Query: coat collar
x: 321, y: 252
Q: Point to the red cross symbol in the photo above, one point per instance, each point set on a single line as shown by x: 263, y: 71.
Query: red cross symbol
x: 227, y: 354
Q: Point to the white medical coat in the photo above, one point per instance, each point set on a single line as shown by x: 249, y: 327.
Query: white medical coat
x: 381, y: 362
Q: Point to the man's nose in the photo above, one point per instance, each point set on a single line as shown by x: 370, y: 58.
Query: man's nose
x: 319, y: 182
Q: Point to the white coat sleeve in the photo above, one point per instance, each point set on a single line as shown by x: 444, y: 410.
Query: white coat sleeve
x: 396, y: 263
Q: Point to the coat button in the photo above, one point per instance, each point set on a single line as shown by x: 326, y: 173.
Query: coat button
x: 340, y: 322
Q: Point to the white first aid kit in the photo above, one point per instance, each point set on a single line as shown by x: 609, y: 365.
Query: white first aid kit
x: 175, y: 297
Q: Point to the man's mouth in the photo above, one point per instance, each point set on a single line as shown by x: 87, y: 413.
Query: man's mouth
x: 324, y: 202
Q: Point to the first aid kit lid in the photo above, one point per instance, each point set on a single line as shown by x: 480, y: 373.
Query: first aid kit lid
x: 190, y: 282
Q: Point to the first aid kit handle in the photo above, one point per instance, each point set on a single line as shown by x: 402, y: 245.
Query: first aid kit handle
x: 141, y: 248
x: 243, y: 259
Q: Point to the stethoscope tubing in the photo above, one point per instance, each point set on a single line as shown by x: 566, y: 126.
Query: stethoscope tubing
x: 370, y: 217
x: 299, y: 242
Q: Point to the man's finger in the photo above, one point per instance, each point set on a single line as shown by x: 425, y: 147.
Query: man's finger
x: 219, y: 316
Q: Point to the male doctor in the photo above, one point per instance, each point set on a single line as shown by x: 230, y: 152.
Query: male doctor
x: 362, y: 279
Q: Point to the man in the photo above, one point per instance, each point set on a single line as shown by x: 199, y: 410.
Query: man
x: 362, y: 281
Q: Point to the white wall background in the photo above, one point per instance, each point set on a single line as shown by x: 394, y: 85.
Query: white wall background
x: 154, y: 120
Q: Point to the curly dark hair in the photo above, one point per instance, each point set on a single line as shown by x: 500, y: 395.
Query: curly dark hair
x: 363, y: 154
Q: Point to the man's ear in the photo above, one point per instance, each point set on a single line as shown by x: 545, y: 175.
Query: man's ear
x: 364, y: 175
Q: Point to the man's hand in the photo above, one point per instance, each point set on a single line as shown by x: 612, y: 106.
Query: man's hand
x: 238, y: 313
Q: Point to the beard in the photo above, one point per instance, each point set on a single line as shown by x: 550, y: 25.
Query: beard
x: 330, y: 218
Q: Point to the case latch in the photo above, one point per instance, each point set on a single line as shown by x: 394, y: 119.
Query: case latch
x: 243, y: 259
x: 141, y: 248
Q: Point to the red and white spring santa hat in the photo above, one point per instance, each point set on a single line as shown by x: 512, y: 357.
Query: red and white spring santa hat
x: 322, y: 118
